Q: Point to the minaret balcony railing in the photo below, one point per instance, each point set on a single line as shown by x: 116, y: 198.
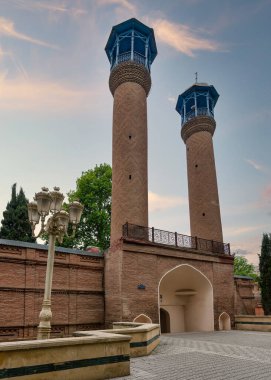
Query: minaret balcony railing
x: 200, y: 112
x: 173, y: 239
x: 125, y: 57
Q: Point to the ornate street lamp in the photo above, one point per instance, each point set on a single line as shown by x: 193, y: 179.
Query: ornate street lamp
x: 50, y: 202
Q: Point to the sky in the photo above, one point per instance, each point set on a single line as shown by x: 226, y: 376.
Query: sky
x: 56, y: 107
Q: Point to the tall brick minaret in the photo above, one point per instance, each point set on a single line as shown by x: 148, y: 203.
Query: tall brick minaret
x: 131, y: 49
x: 196, y: 107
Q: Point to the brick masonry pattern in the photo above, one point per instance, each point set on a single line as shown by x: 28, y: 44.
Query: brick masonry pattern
x: 130, y: 161
x: 205, y: 219
x: 77, y: 292
x: 129, y: 72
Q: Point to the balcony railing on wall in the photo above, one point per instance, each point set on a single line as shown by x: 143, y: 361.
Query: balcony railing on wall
x: 153, y: 235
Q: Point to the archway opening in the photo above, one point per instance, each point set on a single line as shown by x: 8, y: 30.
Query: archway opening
x: 142, y: 318
x: 224, y: 322
x: 187, y: 296
x: 164, y: 321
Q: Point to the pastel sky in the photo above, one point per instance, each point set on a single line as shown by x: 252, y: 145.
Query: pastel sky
x: 56, y: 108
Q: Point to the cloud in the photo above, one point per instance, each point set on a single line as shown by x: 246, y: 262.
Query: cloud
x: 181, y: 37
x: 266, y: 194
x: 2, y: 53
x: 256, y: 165
x: 161, y: 202
x: 250, y: 248
x: 123, y: 9
x: 237, y: 231
x: 7, y: 29
x: 56, y: 7
x: 8, y: 55
x: 40, y: 95
x: 125, y: 4
x: 171, y: 99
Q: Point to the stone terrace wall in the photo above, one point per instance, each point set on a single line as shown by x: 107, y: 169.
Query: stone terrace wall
x: 77, y: 291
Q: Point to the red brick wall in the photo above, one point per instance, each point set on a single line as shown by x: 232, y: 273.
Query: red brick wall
x: 244, y: 298
x: 77, y: 291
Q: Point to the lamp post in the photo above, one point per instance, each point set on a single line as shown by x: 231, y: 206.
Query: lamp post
x: 50, y: 202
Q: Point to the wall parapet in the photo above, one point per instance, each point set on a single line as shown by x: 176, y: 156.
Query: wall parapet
x: 44, y: 247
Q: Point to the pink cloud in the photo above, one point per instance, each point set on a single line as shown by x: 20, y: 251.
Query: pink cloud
x: 159, y: 202
x: 33, y: 95
x: 182, y: 38
x: 7, y: 28
x: 266, y: 194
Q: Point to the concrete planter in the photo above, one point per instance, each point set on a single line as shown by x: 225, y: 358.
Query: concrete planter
x: 253, y: 322
x: 144, y: 336
x: 96, y: 356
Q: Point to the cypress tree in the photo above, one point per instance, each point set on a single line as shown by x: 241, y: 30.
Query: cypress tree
x: 265, y: 273
x: 15, y: 223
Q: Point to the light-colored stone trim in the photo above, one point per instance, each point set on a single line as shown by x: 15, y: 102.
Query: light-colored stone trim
x: 44, y: 247
x: 253, y: 322
x: 89, y: 357
x: 144, y: 336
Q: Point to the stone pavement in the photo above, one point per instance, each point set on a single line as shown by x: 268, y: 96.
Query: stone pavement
x: 232, y: 355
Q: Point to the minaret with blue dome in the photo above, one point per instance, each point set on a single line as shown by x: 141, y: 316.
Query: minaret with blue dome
x: 130, y: 49
x: 196, y: 107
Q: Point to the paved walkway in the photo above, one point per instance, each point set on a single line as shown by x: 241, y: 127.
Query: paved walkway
x: 231, y: 355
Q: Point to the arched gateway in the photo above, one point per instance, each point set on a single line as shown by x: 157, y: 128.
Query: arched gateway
x: 187, y: 296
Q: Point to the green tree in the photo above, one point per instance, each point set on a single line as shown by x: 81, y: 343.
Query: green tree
x: 265, y: 273
x: 15, y: 224
x: 243, y: 268
x: 93, y: 190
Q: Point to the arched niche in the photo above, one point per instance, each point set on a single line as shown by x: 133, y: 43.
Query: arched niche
x: 224, y: 322
x: 164, y: 321
x: 186, y: 294
x: 142, y: 318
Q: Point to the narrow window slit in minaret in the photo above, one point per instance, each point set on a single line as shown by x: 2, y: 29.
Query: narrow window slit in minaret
x: 130, y: 137
x: 203, y: 214
x: 196, y: 165
x: 130, y: 177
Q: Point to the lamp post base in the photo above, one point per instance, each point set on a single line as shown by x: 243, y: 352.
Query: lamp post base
x: 43, y: 332
x: 44, y: 328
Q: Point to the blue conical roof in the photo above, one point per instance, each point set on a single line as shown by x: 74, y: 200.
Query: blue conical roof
x: 130, y: 24
x: 197, y: 87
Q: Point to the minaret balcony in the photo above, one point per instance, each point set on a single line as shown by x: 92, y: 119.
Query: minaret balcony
x: 203, y: 111
x: 135, y: 57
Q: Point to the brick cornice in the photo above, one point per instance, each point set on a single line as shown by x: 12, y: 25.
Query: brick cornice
x: 136, y: 246
x: 198, y: 124
x: 130, y: 72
